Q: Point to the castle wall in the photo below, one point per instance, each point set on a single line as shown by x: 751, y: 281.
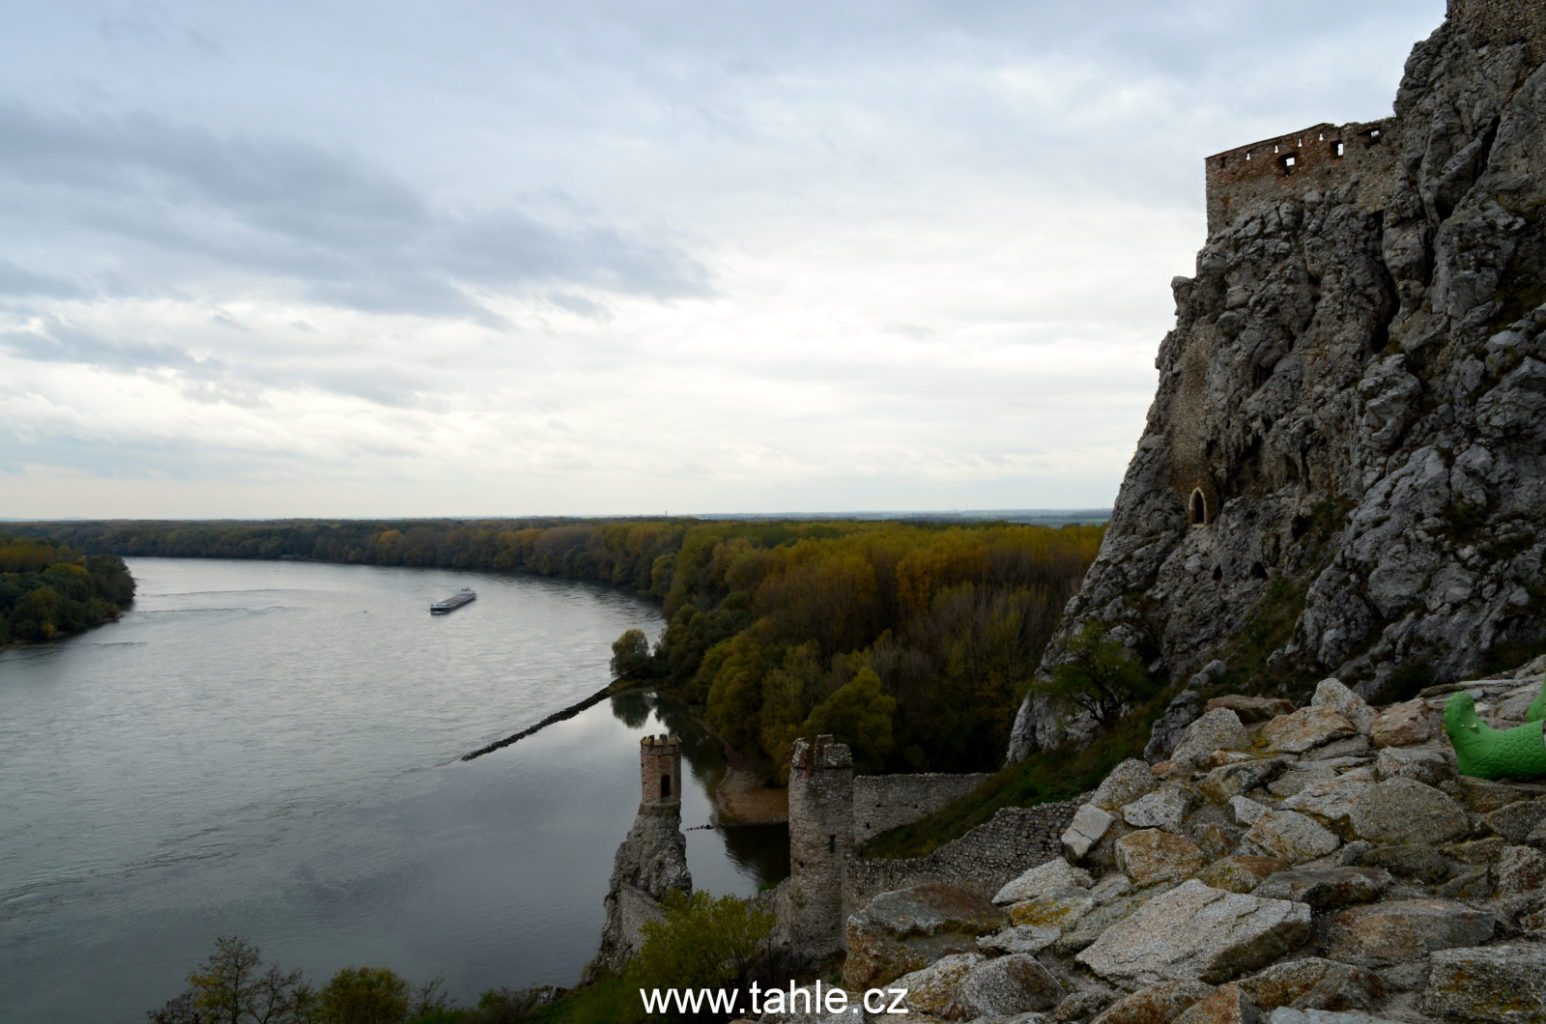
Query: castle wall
x: 1323, y: 156
x: 885, y: 802
x: 993, y: 853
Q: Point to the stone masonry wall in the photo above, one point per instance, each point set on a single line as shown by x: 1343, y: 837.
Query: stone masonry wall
x: 984, y: 859
x: 1264, y: 173
x: 884, y: 802
x: 821, y: 797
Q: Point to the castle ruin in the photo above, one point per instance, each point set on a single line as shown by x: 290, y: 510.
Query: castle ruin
x: 651, y: 862
x: 1322, y: 156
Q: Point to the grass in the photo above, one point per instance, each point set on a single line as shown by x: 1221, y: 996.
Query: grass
x: 1044, y: 777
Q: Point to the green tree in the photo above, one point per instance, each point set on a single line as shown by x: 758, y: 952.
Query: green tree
x: 631, y: 656
x: 364, y: 995
x: 1101, y: 676
x: 859, y: 713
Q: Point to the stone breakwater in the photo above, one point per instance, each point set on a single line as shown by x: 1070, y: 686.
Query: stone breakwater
x: 1316, y: 865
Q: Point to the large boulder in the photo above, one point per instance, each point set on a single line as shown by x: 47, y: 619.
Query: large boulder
x: 1088, y: 826
x: 1402, y: 725
x: 1331, y: 693
x: 1150, y: 856
x: 1007, y: 985
x: 907, y: 929
x: 1488, y: 984
x: 1164, y: 808
x: 1404, y: 931
x: 1043, y: 880
x: 1194, y: 931
x: 1324, y: 888
x: 1123, y: 784
x: 1305, y: 729
x: 1288, y: 835
x: 1159, y: 1003
x: 1407, y: 811
x: 1219, y: 729
x: 1315, y: 983
x: 932, y: 989
x: 1225, y: 1005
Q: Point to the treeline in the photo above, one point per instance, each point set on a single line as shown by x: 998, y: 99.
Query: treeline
x: 49, y: 590
x: 910, y: 641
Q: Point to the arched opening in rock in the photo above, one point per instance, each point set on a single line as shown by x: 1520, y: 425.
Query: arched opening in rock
x: 1197, y: 508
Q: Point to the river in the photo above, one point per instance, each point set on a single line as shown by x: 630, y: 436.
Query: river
x: 271, y: 750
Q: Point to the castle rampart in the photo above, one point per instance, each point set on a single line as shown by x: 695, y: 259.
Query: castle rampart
x: 1288, y: 166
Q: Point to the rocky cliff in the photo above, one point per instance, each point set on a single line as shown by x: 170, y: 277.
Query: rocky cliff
x: 1344, y: 468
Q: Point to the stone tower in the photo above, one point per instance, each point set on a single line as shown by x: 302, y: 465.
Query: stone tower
x: 651, y: 863
x: 660, y: 772
x: 821, y: 798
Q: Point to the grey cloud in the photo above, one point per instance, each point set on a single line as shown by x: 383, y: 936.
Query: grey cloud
x: 19, y: 282
x: 341, y: 230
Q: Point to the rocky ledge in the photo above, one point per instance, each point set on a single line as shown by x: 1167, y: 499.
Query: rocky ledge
x: 1319, y: 865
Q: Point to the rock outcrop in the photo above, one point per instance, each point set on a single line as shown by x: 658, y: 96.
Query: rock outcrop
x: 1344, y: 468
x: 1386, y: 898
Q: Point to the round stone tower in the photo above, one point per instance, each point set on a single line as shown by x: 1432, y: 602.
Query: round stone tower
x: 660, y: 772
x: 821, y: 802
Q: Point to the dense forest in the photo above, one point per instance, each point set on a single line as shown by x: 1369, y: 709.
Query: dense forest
x: 911, y: 641
x: 49, y: 590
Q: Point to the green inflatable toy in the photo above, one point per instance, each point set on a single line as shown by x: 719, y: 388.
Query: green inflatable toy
x: 1483, y: 752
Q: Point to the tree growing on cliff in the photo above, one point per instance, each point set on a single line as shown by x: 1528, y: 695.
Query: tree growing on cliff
x: 1102, y: 677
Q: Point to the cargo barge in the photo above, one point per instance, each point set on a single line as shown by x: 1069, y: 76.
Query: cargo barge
x: 450, y: 604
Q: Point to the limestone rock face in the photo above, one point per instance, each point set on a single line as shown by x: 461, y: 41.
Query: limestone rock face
x: 1355, y: 389
x: 905, y: 930
x: 1194, y: 932
x: 650, y: 864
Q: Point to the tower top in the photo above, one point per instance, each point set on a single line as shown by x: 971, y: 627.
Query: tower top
x: 825, y: 752
x: 660, y: 771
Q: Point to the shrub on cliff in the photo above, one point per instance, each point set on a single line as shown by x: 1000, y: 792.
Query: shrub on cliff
x: 701, y: 942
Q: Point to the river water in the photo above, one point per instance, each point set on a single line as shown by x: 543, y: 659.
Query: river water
x: 271, y: 749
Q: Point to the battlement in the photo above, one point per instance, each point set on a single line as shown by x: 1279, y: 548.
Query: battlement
x: 824, y: 753
x: 1289, y: 166
x: 1502, y: 23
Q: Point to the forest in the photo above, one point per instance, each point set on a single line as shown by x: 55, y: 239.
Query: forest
x: 49, y: 590
x: 910, y: 641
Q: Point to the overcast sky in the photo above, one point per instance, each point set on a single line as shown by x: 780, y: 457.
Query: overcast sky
x: 504, y: 258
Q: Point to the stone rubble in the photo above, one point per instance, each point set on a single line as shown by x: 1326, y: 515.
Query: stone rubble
x: 1362, y: 895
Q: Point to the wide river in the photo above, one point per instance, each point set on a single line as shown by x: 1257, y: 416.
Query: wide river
x: 271, y: 750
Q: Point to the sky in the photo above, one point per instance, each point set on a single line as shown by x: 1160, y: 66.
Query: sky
x: 465, y: 258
